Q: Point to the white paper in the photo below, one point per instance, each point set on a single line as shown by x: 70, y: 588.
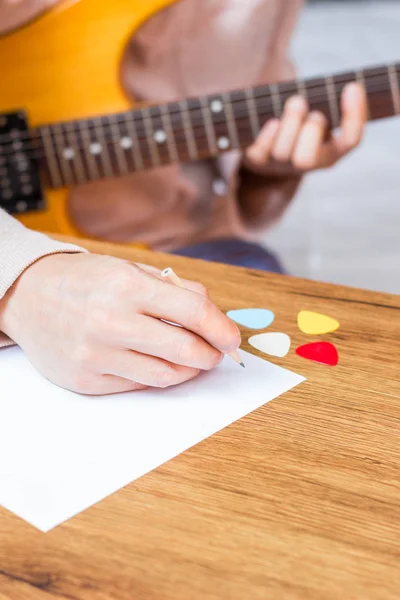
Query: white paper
x: 61, y: 452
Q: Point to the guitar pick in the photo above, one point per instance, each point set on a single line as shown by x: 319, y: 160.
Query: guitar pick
x: 316, y: 324
x: 274, y: 343
x: 253, y: 318
x: 324, y: 353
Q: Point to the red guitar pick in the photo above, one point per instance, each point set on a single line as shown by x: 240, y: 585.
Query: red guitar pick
x: 320, y: 352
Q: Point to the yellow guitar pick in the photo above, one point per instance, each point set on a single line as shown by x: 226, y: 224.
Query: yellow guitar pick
x: 316, y: 324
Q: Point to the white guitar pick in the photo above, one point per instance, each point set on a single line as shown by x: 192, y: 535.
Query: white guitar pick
x: 273, y: 343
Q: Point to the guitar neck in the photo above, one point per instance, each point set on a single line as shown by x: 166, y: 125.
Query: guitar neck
x: 198, y: 128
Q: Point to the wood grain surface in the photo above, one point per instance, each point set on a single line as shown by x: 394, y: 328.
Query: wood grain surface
x: 299, y: 500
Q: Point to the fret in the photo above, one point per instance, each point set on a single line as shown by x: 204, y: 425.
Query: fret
x: 162, y: 135
x: 230, y: 121
x: 209, y: 126
x: 50, y: 154
x: 252, y: 110
x: 394, y: 86
x: 63, y: 153
x: 276, y: 100
x: 361, y: 80
x: 380, y: 93
x: 94, y: 148
x: 130, y: 125
x: 301, y: 88
x: 99, y: 147
x: 167, y: 124
x: 188, y: 130
x: 333, y: 101
x: 90, y: 160
x: 150, y: 136
x: 244, y: 126
x: 116, y: 144
x: 219, y: 118
x: 75, y: 153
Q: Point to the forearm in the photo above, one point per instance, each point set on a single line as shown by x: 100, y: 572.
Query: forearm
x: 264, y: 193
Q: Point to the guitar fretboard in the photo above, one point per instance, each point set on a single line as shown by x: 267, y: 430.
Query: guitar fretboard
x: 108, y: 146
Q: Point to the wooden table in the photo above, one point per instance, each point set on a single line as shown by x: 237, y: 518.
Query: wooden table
x: 299, y: 500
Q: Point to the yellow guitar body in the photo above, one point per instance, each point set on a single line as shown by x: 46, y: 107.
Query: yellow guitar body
x: 66, y: 65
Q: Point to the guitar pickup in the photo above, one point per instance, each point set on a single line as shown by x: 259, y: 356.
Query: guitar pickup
x: 20, y: 185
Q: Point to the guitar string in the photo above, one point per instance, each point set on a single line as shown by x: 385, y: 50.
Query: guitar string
x: 135, y: 116
x: 146, y: 162
x: 312, y: 98
x: 36, y: 153
x: 56, y: 138
x: 75, y: 180
x: 92, y: 125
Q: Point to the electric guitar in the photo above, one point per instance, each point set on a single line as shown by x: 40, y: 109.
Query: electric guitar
x: 65, y: 119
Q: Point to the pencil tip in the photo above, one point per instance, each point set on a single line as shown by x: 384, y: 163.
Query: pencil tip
x: 242, y: 365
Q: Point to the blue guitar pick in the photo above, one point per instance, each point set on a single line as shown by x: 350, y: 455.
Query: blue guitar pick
x: 252, y: 318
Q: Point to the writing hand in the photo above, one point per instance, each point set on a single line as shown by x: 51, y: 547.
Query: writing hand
x: 92, y: 324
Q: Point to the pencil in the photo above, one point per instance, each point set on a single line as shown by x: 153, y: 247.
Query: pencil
x: 170, y: 275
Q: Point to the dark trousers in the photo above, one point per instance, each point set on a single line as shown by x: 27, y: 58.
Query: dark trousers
x: 234, y: 252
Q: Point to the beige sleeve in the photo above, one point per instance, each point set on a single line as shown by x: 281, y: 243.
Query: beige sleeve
x: 19, y: 248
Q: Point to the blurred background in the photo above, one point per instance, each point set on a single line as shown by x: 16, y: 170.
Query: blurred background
x: 344, y: 226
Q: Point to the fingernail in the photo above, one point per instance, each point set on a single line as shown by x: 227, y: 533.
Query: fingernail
x: 316, y: 116
x: 297, y: 103
x: 221, y: 358
x: 254, y: 154
x: 352, y: 90
x: 236, y: 344
x: 272, y: 125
